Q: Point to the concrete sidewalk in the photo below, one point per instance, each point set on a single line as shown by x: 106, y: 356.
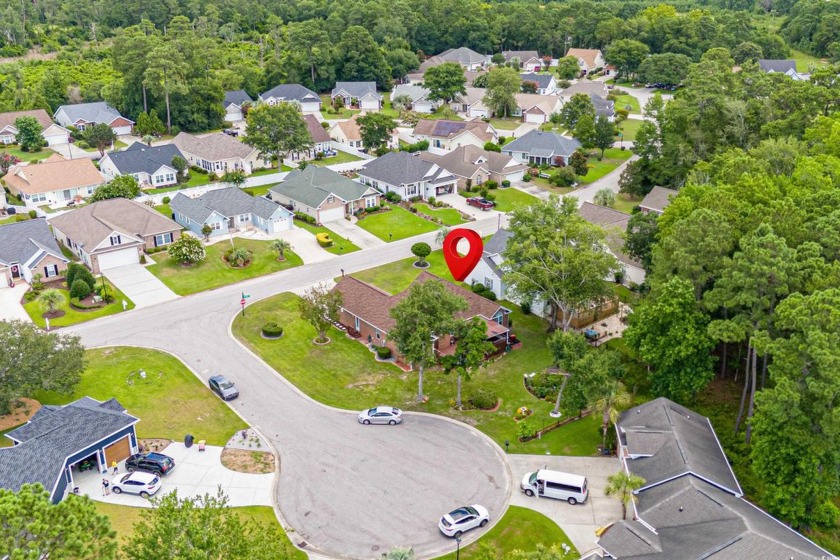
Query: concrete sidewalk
x: 139, y: 285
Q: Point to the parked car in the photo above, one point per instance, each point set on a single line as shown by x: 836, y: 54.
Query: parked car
x: 381, y: 415
x: 157, y: 463
x: 232, y: 132
x: 482, y: 203
x: 220, y: 385
x: 454, y: 523
x: 142, y: 483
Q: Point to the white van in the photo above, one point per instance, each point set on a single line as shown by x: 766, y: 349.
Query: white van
x: 554, y: 484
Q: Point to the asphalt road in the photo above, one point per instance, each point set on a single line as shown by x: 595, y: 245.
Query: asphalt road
x: 347, y: 490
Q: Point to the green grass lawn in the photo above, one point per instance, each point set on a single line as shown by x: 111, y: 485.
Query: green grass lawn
x: 164, y: 209
x: 340, y: 157
x: 804, y: 61
x: 72, y: 316
x: 520, y: 529
x: 123, y: 519
x: 344, y: 373
x: 510, y: 123
x: 626, y: 203
x: 340, y: 246
x: 623, y: 101
x: 397, y: 276
x: 11, y: 219
x: 449, y: 216
x: 629, y: 128
x: 27, y: 156
x: 214, y: 271
x: 259, y: 191
x: 170, y: 402
x: 270, y: 171
x: 196, y: 179
x: 398, y: 223
x: 613, y: 157
x: 4, y: 441
x: 510, y: 199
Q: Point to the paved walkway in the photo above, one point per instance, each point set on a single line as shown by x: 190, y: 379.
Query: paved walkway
x: 360, y: 237
x: 579, y: 521
x: 139, y: 285
x: 196, y: 473
x: 10, y: 307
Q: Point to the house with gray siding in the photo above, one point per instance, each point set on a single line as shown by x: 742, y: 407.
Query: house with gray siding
x: 49, y: 448
x: 229, y: 210
x: 323, y: 194
x: 408, y: 175
x: 538, y: 147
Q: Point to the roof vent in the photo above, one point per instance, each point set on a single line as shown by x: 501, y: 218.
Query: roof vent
x: 681, y: 508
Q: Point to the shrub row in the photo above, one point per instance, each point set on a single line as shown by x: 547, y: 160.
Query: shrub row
x: 305, y: 218
x: 483, y: 291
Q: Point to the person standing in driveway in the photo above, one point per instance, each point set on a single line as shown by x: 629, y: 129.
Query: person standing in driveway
x: 105, y: 490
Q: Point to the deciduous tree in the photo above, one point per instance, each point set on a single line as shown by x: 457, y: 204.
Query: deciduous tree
x: 121, y: 186
x: 277, y: 130
x: 604, y: 134
x: 640, y: 237
x: 187, y: 250
x: 470, y: 353
x: 502, y: 84
x: 567, y: 68
x: 576, y: 107
x: 428, y: 310
x: 376, y: 130
x: 626, y: 55
x: 100, y: 136
x: 362, y: 59
x: 445, y: 81
x: 32, y: 359
x: 319, y: 307
x: 29, y: 135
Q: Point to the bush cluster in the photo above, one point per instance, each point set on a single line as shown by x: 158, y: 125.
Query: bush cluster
x: 305, y: 218
x: 324, y: 239
x: 383, y: 352
x: 544, y: 385
x: 483, y: 399
x: 391, y: 196
x: 483, y: 291
x: 272, y: 330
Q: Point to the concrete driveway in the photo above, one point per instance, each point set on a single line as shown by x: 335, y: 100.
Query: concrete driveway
x: 358, y: 236
x: 579, y: 521
x: 140, y: 285
x: 460, y: 203
x: 196, y: 473
x: 10, y: 307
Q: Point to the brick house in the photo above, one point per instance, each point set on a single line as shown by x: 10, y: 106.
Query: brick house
x: 366, y: 314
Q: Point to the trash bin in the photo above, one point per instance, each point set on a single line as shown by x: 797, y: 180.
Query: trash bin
x: 188, y: 440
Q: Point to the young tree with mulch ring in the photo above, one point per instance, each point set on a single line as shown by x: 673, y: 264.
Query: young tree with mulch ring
x: 421, y: 251
x: 281, y: 246
x: 319, y: 307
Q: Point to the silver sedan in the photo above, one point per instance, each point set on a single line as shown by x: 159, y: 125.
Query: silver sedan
x: 381, y: 415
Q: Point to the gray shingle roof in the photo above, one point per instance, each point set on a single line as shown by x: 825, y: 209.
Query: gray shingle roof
x: 771, y: 65
x: 497, y: 244
x: 355, y: 89
x: 140, y: 158
x: 586, y: 87
x: 658, y: 199
x: 603, y: 107
x: 545, y: 144
x: 523, y: 56
x: 213, y: 147
x: 98, y: 112
x: 463, y: 55
x: 688, y: 445
x: 236, y: 97
x: 414, y: 92
x: 542, y: 80
x: 230, y: 201
x: 399, y: 168
x: 291, y: 92
x: 314, y: 184
x: 52, y: 435
x: 20, y: 241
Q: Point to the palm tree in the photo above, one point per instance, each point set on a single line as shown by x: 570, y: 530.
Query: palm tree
x: 608, y: 399
x: 238, y: 256
x: 281, y: 246
x: 621, y: 485
x: 442, y: 232
x: 400, y: 553
x: 50, y: 300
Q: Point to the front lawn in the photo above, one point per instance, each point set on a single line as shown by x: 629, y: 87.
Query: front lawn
x: 510, y: 199
x: 340, y: 246
x: 519, y: 529
x: 345, y: 374
x: 625, y: 203
x: 448, y: 216
x: 259, y: 191
x: 72, y: 316
x: 340, y: 157
x: 27, y: 156
x: 629, y: 129
x: 395, y: 224
x: 165, y: 210
x: 170, y: 402
x: 214, y: 271
x: 510, y: 123
x: 804, y: 61
x: 395, y: 277
x: 124, y: 518
x: 613, y: 157
x: 625, y: 101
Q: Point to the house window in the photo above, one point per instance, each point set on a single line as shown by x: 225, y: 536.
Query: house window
x: 488, y: 283
x: 158, y: 179
x: 163, y: 239
x: 216, y: 226
x: 170, y: 177
x: 39, y: 197
x: 377, y: 334
x: 358, y: 324
x: 330, y: 199
x: 51, y: 270
x: 115, y: 240
x: 370, y: 201
x: 244, y: 218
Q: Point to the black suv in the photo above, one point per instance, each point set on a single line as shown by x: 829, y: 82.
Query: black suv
x: 157, y: 463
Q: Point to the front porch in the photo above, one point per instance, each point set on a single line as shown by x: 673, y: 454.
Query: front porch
x: 498, y: 335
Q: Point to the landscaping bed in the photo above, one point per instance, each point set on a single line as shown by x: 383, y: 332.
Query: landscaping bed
x: 446, y: 216
x: 214, y: 271
x: 252, y: 462
x: 73, y: 313
x: 340, y: 246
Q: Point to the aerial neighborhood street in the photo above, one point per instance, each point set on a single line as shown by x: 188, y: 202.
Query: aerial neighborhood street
x: 276, y: 284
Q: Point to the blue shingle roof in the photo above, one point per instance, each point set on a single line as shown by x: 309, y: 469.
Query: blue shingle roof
x: 139, y: 158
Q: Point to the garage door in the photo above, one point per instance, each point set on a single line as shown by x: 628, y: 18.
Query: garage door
x: 118, y: 258
x: 56, y: 139
x: 331, y: 215
x: 478, y: 113
x: 118, y: 451
x: 534, y: 118
x: 121, y: 130
x: 516, y: 176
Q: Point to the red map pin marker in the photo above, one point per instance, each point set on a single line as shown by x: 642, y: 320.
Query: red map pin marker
x: 459, y: 266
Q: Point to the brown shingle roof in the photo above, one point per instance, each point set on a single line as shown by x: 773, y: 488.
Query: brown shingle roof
x: 351, y: 129
x: 40, y: 115
x: 614, y: 224
x: 93, y: 224
x: 373, y: 305
x: 658, y: 199
x: 588, y: 55
x: 450, y: 129
x: 315, y: 129
x: 213, y: 147
x: 53, y: 174
x: 462, y: 161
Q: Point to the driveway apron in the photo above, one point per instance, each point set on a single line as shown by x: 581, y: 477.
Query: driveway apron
x: 140, y: 285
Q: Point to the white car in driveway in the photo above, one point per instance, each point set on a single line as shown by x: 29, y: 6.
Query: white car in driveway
x: 381, y: 415
x: 142, y: 483
x: 454, y: 523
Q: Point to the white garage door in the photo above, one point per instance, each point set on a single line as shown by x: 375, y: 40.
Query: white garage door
x: 331, y: 215
x: 56, y: 139
x: 534, y: 118
x: 478, y: 113
x: 121, y: 130
x: 515, y: 176
x: 118, y: 258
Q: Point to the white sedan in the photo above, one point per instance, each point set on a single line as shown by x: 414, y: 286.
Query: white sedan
x: 381, y: 415
x: 454, y: 523
x: 142, y: 483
